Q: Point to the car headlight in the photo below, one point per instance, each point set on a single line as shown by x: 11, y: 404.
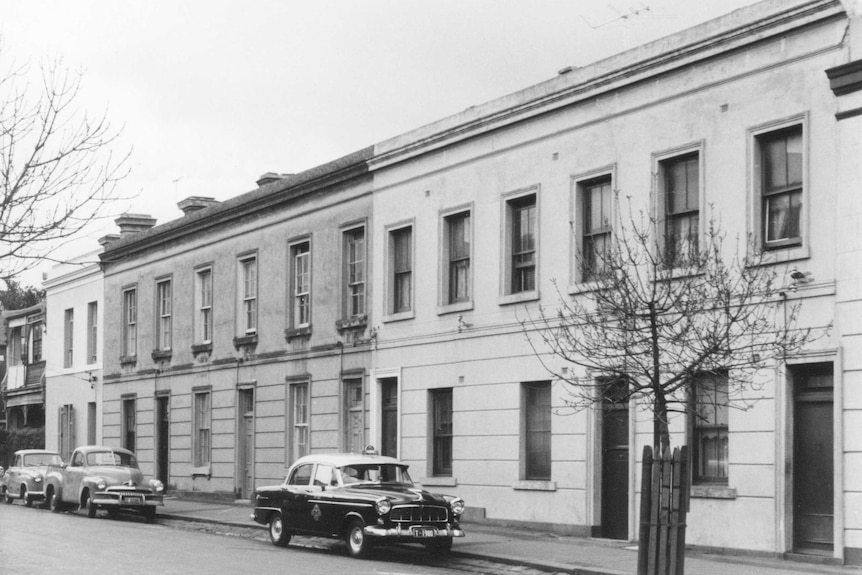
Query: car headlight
x: 38, y: 479
x: 383, y: 506
x: 457, y: 506
x: 157, y: 486
x: 101, y: 484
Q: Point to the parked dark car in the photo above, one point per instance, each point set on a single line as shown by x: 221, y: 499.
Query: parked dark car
x: 25, y: 479
x: 107, y: 478
x: 363, y: 499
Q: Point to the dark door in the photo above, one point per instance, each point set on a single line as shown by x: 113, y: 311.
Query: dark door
x: 389, y: 408
x: 615, y: 469
x: 245, y: 443
x: 163, y: 434
x: 813, y: 505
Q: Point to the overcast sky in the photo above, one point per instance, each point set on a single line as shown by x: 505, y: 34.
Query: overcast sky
x: 213, y: 93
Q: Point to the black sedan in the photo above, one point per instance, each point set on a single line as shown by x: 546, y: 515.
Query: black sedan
x: 363, y: 499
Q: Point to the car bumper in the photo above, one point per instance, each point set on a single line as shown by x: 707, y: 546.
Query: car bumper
x: 128, y: 502
x: 35, y: 495
x: 414, y: 532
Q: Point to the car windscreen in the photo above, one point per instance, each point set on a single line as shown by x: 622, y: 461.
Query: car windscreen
x: 375, y: 473
x: 111, y: 458
x: 39, y: 459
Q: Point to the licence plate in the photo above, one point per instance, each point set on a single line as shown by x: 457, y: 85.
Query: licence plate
x: 424, y: 532
x: 133, y: 499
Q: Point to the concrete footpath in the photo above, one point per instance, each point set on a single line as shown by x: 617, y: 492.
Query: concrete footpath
x: 535, y: 549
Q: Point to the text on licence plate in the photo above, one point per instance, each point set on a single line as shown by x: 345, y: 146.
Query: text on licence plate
x: 424, y: 532
x: 133, y: 499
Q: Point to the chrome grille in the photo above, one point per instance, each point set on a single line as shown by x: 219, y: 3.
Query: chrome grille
x: 419, y: 514
x: 128, y: 491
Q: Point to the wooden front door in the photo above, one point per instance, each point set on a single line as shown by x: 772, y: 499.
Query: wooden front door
x: 163, y: 433
x: 615, y: 469
x: 813, y: 461
x: 389, y: 419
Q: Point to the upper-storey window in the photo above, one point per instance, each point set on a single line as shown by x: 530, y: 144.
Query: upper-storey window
x: 300, y: 257
x: 596, y: 205
x: 163, y: 314
x: 401, y: 250
x: 248, y: 295
x: 523, y: 241
x: 354, y: 272
x: 458, y: 251
x: 781, y: 177
x: 204, y: 305
x: 130, y: 323
x: 68, y: 337
x: 681, y: 181
x: 92, y: 332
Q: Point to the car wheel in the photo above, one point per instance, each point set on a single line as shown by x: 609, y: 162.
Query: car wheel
x: 91, y: 506
x: 150, y: 514
x: 277, y: 533
x: 26, y: 496
x: 358, y: 544
x: 440, y: 546
x: 53, y: 501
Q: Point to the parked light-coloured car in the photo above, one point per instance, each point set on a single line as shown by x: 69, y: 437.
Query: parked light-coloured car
x: 109, y: 478
x: 25, y: 479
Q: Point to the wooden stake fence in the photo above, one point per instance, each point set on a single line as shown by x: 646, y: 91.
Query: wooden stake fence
x: 664, y: 504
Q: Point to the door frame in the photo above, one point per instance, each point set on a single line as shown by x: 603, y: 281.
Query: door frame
x: 240, y: 443
x: 376, y: 406
x: 166, y: 396
x: 785, y: 405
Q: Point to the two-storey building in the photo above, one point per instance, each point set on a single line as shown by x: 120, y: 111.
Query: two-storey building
x: 381, y: 298
x: 23, y: 386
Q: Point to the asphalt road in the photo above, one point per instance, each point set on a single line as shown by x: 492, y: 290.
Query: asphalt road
x: 36, y: 541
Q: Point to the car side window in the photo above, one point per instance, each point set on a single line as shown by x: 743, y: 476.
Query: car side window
x: 324, y: 475
x: 77, y: 460
x: 301, y: 475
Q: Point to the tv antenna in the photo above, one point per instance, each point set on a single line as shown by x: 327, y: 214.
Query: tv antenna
x: 624, y: 16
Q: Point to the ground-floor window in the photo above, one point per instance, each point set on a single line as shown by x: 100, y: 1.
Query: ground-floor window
x: 66, y: 431
x: 536, y: 439
x: 354, y: 415
x: 202, y: 429
x: 441, y: 425
x: 129, y: 423
x: 298, y: 426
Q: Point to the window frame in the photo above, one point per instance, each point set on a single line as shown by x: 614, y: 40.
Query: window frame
x: 349, y: 381
x: 696, y: 425
x: 201, y: 428
x: 354, y: 290
x: 299, y: 302
x: 295, y: 427
x: 164, y: 313
x: 509, y: 205
x: 69, y: 337
x: 393, y: 232
x: 530, y: 427
x: 247, y: 294
x: 204, y: 309
x: 129, y: 422
x: 442, y: 448
x: 448, y: 302
x: 792, y: 248
x: 92, y: 332
x: 130, y: 322
x: 661, y: 162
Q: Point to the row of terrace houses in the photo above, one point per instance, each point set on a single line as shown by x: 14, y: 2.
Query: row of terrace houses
x: 378, y: 299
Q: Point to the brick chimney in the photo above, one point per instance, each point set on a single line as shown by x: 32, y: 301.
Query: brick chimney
x: 195, y: 203
x: 134, y: 223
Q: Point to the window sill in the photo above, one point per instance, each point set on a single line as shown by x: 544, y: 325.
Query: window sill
x: 518, y: 297
x: 199, y: 348
x: 245, y: 341
x: 780, y: 255
x: 455, y: 307
x: 161, y: 354
x: 401, y: 316
x: 126, y: 360
x: 204, y: 471
x: 439, y: 481
x: 534, y: 485
x: 358, y: 322
x: 712, y: 492
x: 297, y: 332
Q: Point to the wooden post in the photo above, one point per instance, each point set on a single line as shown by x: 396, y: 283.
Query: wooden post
x: 646, y: 498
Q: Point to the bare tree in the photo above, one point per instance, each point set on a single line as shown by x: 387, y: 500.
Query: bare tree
x: 664, y: 311
x: 57, y: 168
